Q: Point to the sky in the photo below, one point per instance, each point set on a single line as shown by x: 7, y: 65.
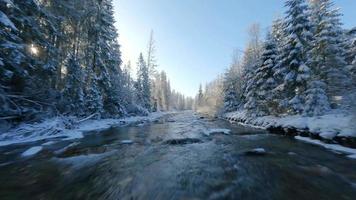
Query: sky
x: 195, y: 39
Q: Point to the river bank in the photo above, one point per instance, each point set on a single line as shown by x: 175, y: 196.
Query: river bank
x: 331, y: 129
x: 67, y: 128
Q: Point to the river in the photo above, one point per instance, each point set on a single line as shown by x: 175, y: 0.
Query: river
x: 172, y: 158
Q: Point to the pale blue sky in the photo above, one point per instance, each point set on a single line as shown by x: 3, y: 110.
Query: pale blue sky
x: 195, y: 38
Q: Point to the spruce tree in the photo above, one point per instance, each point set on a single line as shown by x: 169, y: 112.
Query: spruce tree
x: 73, y: 92
x: 230, y: 96
x: 264, y: 80
x: 143, y: 84
x: 294, y: 54
x: 328, y: 53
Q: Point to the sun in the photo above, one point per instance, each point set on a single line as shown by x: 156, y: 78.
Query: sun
x: 34, y: 50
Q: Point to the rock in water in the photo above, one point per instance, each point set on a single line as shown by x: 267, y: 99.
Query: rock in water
x: 256, y: 152
x: 126, y: 142
x: 181, y: 141
x: 31, y: 151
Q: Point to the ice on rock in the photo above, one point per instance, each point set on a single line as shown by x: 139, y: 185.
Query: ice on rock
x: 256, y: 151
x: 217, y: 131
x: 126, y: 142
x: 31, y: 151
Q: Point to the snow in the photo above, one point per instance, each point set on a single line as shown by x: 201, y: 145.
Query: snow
x: 217, y: 130
x: 63, y: 128
x: 327, y: 126
x: 335, y: 147
x: 259, y: 150
x: 31, y: 151
x: 126, y: 142
x: 256, y: 151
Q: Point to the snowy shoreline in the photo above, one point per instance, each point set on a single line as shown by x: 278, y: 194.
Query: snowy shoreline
x: 333, y: 131
x: 66, y: 128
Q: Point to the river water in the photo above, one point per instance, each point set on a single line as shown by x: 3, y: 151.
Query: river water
x: 172, y: 158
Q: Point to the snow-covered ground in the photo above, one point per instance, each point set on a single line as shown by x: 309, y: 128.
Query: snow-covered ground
x: 65, y: 128
x: 327, y: 126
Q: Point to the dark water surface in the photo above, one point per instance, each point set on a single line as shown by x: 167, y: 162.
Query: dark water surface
x: 173, y: 159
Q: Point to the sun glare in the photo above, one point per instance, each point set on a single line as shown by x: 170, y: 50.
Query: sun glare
x: 34, y: 50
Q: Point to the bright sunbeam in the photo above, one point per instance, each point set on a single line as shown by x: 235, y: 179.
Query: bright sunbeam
x: 34, y: 50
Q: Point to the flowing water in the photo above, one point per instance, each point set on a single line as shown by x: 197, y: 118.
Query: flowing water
x: 172, y: 158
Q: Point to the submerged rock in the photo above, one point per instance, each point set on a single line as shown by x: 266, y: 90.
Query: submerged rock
x: 31, y: 151
x: 181, y: 141
x: 126, y: 142
x: 256, y: 152
x: 217, y: 131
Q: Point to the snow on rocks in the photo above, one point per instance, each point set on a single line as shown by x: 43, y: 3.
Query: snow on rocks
x: 126, y: 142
x: 256, y: 152
x: 217, y: 131
x: 334, y: 147
x: 328, y: 126
x: 31, y: 151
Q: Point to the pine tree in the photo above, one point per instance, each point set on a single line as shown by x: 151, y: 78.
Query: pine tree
x: 231, y: 98
x: 12, y: 58
x: 316, y: 102
x: 293, y: 59
x: 264, y: 81
x: 73, y: 91
x: 143, y: 84
x: 279, y: 34
x: 200, y: 97
x: 153, y: 74
x: 251, y: 61
x: 328, y: 53
x: 93, y: 96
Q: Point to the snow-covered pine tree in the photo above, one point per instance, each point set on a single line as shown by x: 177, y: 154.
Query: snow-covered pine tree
x: 106, y: 58
x: 153, y: 74
x: 143, y: 84
x: 230, y: 96
x: 12, y: 60
x: 73, y: 91
x: 200, y: 97
x: 26, y: 62
x: 351, y: 45
x: 328, y: 53
x: 93, y: 97
x: 127, y: 84
x: 279, y: 34
x: 250, y: 61
x: 293, y: 57
x: 316, y: 100
x: 165, y: 92
x: 264, y: 80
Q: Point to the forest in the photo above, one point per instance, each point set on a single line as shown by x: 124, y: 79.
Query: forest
x: 305, y: 65
x: 63, y: 58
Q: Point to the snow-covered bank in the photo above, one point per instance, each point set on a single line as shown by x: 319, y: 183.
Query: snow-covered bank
x: 66, y: 128
x: 332, y: 127
x: 334, y: 147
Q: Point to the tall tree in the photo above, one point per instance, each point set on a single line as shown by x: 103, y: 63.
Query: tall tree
x: 143, y: 84
x: 260, y: 99
x: 73, y: 91
x: 328, y: 53
x: 294, y: 55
